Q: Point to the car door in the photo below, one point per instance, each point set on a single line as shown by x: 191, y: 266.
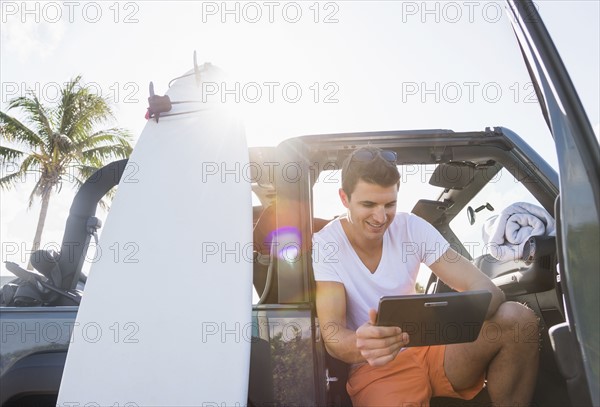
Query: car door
x: 284, y: 363
x: 578, y: 204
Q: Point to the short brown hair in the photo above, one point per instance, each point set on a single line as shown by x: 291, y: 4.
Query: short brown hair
x: 377, y: 170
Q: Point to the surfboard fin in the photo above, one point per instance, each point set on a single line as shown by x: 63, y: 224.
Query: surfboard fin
x: 157, y: 104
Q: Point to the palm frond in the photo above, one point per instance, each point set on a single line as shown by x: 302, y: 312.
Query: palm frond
x: 42, y: 117
x: 84, y: 172
x: 107, y: 152
x: 13, y: 130
x: 37, y: 113
x: 10, y: 154
x: 30, y: 163
x: 36, y: 191
x: 108, y: 198
x: 113, y: 136
x: 80, y: 110
x: 67, y: 109
x: 8, y: 181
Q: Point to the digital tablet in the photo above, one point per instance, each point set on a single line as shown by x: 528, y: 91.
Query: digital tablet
x: 436, y: 319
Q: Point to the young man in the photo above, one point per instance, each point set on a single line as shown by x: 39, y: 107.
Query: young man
x: 374, y: 251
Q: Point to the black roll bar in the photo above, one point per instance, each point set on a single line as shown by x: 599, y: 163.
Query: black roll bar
x: 76, y: 238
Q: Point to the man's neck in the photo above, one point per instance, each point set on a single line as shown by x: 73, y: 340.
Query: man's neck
x: 360, y: 245
x: 368, y: 251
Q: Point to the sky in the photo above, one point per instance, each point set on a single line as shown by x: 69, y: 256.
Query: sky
x: 294, y: 68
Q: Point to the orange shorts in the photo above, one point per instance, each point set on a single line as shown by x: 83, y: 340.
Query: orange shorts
x: 416, y: 375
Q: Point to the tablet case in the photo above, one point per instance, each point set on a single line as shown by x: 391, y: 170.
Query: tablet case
x: 436, y: 319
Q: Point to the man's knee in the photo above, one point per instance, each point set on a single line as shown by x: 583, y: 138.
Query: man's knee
x: 518, y: 323
x: 511, y: 312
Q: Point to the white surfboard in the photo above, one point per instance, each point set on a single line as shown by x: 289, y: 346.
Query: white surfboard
x: 165, y: 318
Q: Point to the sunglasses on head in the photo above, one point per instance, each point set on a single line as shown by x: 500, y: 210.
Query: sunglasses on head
x: 369, y: 155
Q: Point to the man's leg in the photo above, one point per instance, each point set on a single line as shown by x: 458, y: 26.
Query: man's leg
x: 400, y: 383
x: 507, y: 348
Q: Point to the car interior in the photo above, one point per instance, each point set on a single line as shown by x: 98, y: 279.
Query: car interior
x: 464, y: 168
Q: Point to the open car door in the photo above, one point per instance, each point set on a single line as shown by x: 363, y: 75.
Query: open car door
x: 576, y: 343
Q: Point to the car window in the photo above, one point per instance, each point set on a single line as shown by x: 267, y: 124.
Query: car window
x: 500, y: 192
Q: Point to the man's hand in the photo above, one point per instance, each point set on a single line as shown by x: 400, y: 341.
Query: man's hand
x: 379, y: 344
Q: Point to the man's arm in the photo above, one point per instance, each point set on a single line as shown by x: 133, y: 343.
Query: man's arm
x: 461, y: 275
x: 374, y: 344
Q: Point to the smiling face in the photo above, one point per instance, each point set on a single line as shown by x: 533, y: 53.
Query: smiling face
x: 371, y: 209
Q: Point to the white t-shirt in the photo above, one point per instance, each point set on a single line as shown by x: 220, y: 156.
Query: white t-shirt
x: 408, y: 242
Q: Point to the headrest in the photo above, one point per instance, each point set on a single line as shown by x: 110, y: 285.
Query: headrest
x: 46, y: 262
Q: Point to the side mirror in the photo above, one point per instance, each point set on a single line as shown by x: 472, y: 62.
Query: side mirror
x: 471, y: 212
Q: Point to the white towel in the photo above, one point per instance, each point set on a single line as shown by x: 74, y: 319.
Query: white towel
x: 507, y: 233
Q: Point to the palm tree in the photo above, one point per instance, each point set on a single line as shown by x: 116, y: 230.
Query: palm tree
x: 58, y: 140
